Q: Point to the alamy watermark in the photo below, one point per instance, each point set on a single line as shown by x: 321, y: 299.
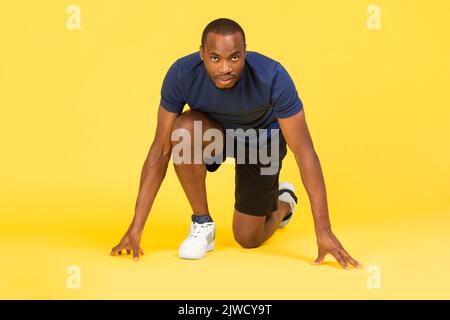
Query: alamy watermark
x: 74, y: 279
x: 374, y: 18
x: 248, y: 146
x: 74, y: 19
x: 374, y: 279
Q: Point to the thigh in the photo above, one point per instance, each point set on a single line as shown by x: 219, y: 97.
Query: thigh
x: 186, y: 121
x: 247, y: 228
x: 193, y: 121
x: 256, y: 193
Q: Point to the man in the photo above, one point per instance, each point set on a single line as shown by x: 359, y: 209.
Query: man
x: 230, y: 89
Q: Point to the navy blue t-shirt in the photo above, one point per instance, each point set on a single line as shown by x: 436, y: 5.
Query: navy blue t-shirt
x: 264, y: 93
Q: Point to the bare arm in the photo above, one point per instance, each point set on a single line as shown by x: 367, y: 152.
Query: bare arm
x: 154, y: 168
x: 297, y: 136
x: 296, y: 133
x: 153, y: 173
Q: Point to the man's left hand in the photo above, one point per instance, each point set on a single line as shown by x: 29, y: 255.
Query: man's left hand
x: 327, y: 243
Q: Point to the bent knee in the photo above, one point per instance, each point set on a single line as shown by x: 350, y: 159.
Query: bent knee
x: 248, y: 242
x: 186, y: 120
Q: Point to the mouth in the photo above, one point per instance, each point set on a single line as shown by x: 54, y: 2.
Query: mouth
x: 225, y: 80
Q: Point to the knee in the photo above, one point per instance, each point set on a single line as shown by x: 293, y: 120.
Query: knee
x: 248, y: 241
x: 184, y: 126
x: 186, y: 120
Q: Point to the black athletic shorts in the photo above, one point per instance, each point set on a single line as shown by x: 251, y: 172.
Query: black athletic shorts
x: 255, y: 193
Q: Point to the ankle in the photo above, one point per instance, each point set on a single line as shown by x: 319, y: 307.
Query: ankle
x: 201, y: 218
x: 284, y: 208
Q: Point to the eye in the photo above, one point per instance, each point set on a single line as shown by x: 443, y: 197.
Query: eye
x: 214, y: 59
x: 235, y: 58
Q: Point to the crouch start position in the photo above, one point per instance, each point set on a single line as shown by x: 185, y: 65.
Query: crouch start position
x: 242, y: 105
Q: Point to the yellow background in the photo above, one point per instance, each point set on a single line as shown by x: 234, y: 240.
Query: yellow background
x: 78, y: 110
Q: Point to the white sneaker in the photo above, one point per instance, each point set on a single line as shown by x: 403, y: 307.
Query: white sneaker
x: 199, y: 241
x: 286, y: 193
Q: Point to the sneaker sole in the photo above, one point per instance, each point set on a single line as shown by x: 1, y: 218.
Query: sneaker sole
x: 288, y: 186
x: 210, y: 247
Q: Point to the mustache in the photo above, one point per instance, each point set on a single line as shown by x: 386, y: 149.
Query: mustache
x: 225, y: 76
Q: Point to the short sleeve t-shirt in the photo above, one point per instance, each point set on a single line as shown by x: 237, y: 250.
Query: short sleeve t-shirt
x: 264, y: 93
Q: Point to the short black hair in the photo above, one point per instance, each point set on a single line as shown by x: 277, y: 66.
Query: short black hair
x: 222, y: 26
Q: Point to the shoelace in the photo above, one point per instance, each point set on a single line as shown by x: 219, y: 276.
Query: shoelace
x: 197, y: 230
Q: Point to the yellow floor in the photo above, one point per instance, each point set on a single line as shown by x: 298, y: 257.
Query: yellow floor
x: 80, y: 86
x: 410, y: 254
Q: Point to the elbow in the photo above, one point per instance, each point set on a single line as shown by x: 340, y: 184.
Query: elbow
x: 156, y: 166
x: 308, y: 155
x: 157, y: 156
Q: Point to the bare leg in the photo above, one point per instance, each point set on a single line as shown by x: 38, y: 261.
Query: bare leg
x: 192, y: 176
x: 273, y: 220
x: 251, y: 231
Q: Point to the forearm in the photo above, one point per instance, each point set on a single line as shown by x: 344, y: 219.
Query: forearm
x: 152, y: 176
x: 313, y: 180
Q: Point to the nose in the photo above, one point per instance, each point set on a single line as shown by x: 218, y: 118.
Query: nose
x: 225, y: 67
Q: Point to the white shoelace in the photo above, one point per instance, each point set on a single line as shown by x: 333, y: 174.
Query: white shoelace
x: 198, y: 229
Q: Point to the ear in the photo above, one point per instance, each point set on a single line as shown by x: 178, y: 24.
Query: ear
x: 201, y: 52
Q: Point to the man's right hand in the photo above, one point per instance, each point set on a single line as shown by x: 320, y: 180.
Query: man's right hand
x: 153, y: 173
x: 130, y: 242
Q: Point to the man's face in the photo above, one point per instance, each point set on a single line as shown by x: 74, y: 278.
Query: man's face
x: 224, y: 58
